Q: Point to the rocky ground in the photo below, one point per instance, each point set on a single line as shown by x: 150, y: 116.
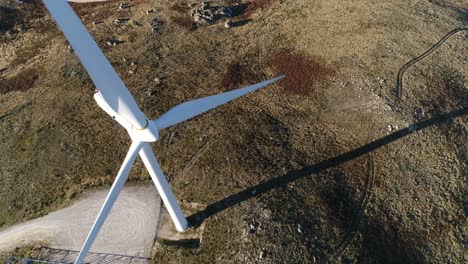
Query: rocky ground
x: 330, y: 165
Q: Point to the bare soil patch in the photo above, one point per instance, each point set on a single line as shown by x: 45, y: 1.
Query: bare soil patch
x: 302, y: 72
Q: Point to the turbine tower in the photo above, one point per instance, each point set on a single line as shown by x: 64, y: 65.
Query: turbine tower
x: 115, y: 99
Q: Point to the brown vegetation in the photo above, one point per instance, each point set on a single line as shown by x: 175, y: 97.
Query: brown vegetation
x: 93, y: 11
x: 255, y: 5
x: 184, y: 22
x: 8, y: 18
x: 445, y: 93
x: 182, y: 18
x: 238, y: 74
x: 453, y: 4
x: 23, y: 81
x: 22, y: 16
x: 302, y: 73
x: 181, y: 8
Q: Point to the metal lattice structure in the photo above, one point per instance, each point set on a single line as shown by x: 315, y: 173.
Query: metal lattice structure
x: 64, y: 256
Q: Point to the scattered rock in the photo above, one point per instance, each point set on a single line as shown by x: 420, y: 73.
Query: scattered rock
x: 155, y: 24
x: 253, y: 227
x: 11, y: 33
x: 411, y: 216
x: 149, y: 11
x: 228, y: 24
x: 150, y: 92
x: 392, y: 127
x: 300, y: 229
x: 263, y: 254
x: 131, y: 71
x: 124, y: 5
x: 419, y: 113
x: 113, y: 42
x: 413, y: 127
x: 175, y: 136
x: 136, y: 23
x: 205, y: 5
x: 121, y: 21
x: 208, y: 13
x: 382, y: 81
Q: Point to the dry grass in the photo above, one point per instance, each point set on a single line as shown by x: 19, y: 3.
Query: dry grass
x: 28, y: 52
x: 23, y: 81
x: 302, y: 72
x: 21, y: 252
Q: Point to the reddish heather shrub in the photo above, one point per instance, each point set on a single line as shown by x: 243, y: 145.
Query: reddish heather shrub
x: 237, y: 75
x: 302, y: 72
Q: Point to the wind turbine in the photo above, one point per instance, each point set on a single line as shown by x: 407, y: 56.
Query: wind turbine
x: 114, y: 98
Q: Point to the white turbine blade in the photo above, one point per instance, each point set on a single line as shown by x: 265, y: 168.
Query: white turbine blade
x: 110, y: 199
x: 164, y: 190
x: 196, y: 107
x: 98, y: 67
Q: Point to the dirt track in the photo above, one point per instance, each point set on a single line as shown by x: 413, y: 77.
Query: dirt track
x: 130, y: 228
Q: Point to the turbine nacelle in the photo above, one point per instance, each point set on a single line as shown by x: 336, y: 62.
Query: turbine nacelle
x: 149, y: 133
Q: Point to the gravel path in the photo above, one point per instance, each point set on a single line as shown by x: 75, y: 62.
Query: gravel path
x: 130, y: 228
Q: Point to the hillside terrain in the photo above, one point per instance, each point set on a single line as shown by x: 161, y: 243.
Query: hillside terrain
x: 356, y: 157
